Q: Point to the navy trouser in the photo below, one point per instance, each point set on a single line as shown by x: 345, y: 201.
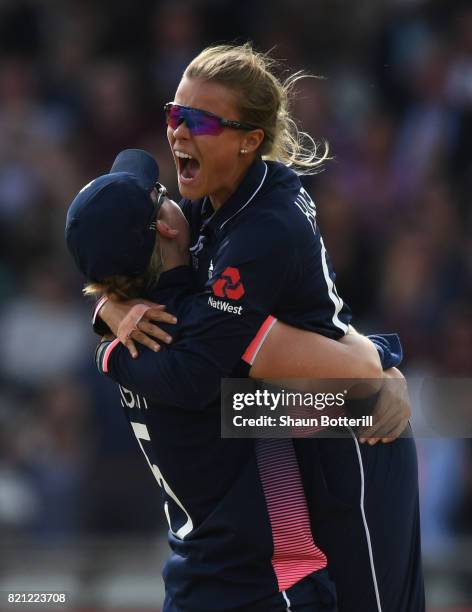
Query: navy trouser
x: 315, y: 593
x: 365, y: 517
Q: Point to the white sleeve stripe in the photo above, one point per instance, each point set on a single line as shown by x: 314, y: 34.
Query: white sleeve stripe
x: 337, y: 301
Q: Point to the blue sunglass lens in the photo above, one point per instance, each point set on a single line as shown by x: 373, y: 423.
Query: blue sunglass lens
x: 198, y: 123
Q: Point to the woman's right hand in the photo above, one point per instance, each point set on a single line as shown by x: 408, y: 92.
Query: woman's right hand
x: 392, y: 411
x: 144, y: 330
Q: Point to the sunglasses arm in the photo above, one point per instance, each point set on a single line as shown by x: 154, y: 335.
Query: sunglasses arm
x: 158, y: 195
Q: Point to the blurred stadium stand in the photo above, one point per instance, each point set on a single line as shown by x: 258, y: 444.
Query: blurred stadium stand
x: 80, y: 80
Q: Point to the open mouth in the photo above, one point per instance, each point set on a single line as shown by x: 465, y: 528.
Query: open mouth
x: 188, y: 167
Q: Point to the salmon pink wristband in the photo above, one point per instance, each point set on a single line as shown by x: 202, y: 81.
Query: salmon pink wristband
x: 101, y: 302
x: 99, y: 326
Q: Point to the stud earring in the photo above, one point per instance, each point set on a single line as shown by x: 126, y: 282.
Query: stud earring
x: 243, y: 151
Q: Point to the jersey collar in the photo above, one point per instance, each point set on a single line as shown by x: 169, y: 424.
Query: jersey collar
x: 248, y: 189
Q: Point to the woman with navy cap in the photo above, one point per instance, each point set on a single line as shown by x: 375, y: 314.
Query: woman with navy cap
x: 258, y: 256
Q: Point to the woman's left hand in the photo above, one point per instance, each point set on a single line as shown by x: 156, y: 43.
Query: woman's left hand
x: 116, y: 314
x: 392, y: 410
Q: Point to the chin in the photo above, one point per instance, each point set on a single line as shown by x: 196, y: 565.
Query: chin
x: 191, y: 192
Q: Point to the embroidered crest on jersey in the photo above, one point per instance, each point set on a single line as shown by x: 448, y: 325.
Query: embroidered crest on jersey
x: 195, y: 250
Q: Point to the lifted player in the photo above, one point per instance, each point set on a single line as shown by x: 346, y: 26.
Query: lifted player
x: 214, y: 499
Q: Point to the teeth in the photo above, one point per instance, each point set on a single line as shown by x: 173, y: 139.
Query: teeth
x: 182, y: 155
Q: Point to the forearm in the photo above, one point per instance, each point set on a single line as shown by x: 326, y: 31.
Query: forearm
x: 289, y: 352
x: 169, y: 377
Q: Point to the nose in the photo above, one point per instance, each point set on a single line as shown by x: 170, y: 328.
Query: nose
x: 182, y: 131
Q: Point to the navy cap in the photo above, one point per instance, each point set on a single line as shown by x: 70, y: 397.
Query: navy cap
x: 140, y: 164
x: 110, y: 226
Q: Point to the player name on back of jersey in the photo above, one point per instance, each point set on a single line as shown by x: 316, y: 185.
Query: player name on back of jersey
x: 225, y: 306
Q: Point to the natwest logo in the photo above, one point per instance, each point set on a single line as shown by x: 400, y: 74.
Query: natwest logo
x: 229, y: 285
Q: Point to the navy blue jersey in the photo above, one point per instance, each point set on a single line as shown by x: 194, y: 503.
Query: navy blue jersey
x: 259, y: 255
x: 215, y: 495
x: 267, y: 230
x: 222, y: 529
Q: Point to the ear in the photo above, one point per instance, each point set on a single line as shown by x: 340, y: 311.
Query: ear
x: 252, y: 140
x: 165, y: 230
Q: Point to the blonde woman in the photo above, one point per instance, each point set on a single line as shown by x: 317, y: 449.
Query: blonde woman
x: 259, y: 258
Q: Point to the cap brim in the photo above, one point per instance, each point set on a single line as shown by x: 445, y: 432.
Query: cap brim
x: 138, y: 163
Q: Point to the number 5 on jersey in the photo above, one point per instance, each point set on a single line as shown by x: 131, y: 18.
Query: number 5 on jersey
x: 141, y: 433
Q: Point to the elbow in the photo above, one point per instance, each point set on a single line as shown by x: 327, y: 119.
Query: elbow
x: 373, y: 367
x: 370, y: 366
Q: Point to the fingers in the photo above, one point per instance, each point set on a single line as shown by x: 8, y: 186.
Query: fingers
x: 388, y: 429
x: 154, y: 331
x: 377, y: 425
x: 136, y: 327
x: 380, y: 417
x: 157, y: 314
x: 379, y: 429
x: 388, y: 426
x: 138, y: 336
x: 391, y: 413
x: 130, y: 345
x: 153, y: 305
x: 130, y: 321
x: 396, y: 432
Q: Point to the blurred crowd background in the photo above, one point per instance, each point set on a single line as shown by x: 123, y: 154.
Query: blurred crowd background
x: 81, y: 80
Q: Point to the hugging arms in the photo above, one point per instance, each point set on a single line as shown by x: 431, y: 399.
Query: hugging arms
x: 205, y: 349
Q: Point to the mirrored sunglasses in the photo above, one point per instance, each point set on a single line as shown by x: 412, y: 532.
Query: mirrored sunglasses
x: 200, y: 122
